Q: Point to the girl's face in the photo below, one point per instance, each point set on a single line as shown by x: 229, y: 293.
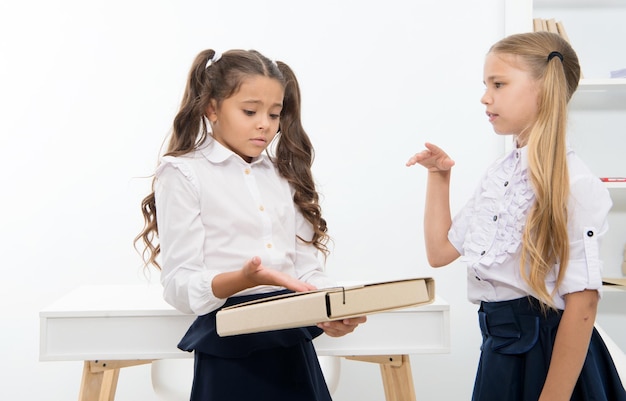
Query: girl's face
x: 247, y: 121
x: 511, y: 96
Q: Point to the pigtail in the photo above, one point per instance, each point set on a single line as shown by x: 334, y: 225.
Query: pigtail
x: 553, y: 63
x: 148, y: 236
x: 545, y: 233
x: 294, y: 159
x: 189, y: 130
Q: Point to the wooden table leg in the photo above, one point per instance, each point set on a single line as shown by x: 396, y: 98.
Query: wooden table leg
x: 99, y: 380
x: 396, y: 373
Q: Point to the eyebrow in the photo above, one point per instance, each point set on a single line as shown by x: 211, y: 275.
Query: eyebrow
x: 253, y: 101
x: 494, y: 77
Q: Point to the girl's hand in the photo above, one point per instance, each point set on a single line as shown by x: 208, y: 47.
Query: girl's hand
x: 258, y: 274
x: 433, y: 158
x: 338, y: 328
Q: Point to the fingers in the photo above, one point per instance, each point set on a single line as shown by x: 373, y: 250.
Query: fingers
x: 253, y: 263
x: 433, y: 148
x: 299, y: 286
x: 433, y: 158
x: 418, y: 157
x: 356, y: 320
x: 291, y: 283
x: 338, y: 328
x: 257, y: 274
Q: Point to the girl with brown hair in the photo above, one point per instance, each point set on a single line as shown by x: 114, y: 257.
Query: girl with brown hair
x: 235, y: 210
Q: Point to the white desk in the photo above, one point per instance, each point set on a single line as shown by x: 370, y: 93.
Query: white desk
x: 112, y: 327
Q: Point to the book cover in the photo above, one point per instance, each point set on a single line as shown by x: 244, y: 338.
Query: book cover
x: 618, y: 282
x: 561, y: 31
x: 551, y: 24
x: 613, y: 179
x: 309, y: 308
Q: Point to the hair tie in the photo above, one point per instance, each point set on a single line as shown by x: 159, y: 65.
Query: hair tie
x: 214, y: 59
x: 555, y: 54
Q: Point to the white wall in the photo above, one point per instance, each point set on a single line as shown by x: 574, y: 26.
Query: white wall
x: 88, y: 90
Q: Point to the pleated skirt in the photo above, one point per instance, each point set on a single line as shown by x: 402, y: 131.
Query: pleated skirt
x: 269, y: 366
x: 516, y: 350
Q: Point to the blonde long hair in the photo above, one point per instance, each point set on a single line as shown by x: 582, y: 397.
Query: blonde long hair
x: 545, y: 241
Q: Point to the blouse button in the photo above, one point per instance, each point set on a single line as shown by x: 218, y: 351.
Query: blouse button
x: 589, y: 233
x: 261, y: 208
x: 506, y: 183
x: 495, y: 218
x: 268, y: 246
x: 247, y: 171
x: 482, y: 253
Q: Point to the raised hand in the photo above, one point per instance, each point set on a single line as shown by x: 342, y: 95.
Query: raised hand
x: 433, y: 158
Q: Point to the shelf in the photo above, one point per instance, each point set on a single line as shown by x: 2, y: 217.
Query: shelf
x: 579, y: 3
x: 616, y: 185
x: 600, y: 93
x: 611, y: 85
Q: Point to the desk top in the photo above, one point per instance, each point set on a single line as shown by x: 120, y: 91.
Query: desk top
x: 122, y: 322
x: 136, y: 300
x: 107, y: 300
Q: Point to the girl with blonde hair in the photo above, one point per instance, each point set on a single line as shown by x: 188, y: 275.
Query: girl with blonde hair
x: 530, y: 235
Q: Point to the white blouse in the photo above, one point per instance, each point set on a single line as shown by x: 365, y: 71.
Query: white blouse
x: 487, y: 232
x: 215, y: 212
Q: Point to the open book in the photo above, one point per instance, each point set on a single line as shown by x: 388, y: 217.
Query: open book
x: 302, y: 309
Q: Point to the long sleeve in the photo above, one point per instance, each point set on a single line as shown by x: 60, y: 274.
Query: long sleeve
x: 186, y: 280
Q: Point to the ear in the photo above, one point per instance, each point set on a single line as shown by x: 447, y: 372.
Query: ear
x: 211, y: 110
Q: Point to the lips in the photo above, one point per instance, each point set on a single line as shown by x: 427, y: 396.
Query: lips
x: 492, y: 116
x: 262, y: 141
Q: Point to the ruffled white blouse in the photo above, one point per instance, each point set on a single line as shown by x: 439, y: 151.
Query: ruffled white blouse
x: 487, y: 232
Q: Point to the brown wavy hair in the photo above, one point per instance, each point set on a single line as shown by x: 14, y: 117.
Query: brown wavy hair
x: 545, y: 240
x: 293, y: 153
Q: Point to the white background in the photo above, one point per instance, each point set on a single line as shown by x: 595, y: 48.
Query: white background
x: 88, y: 90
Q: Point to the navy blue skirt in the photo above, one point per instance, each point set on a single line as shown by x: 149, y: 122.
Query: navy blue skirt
x: 515, y: 355
x: 268, y: 366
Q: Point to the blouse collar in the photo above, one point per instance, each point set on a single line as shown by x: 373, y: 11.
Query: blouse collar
x: 217, y: 153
